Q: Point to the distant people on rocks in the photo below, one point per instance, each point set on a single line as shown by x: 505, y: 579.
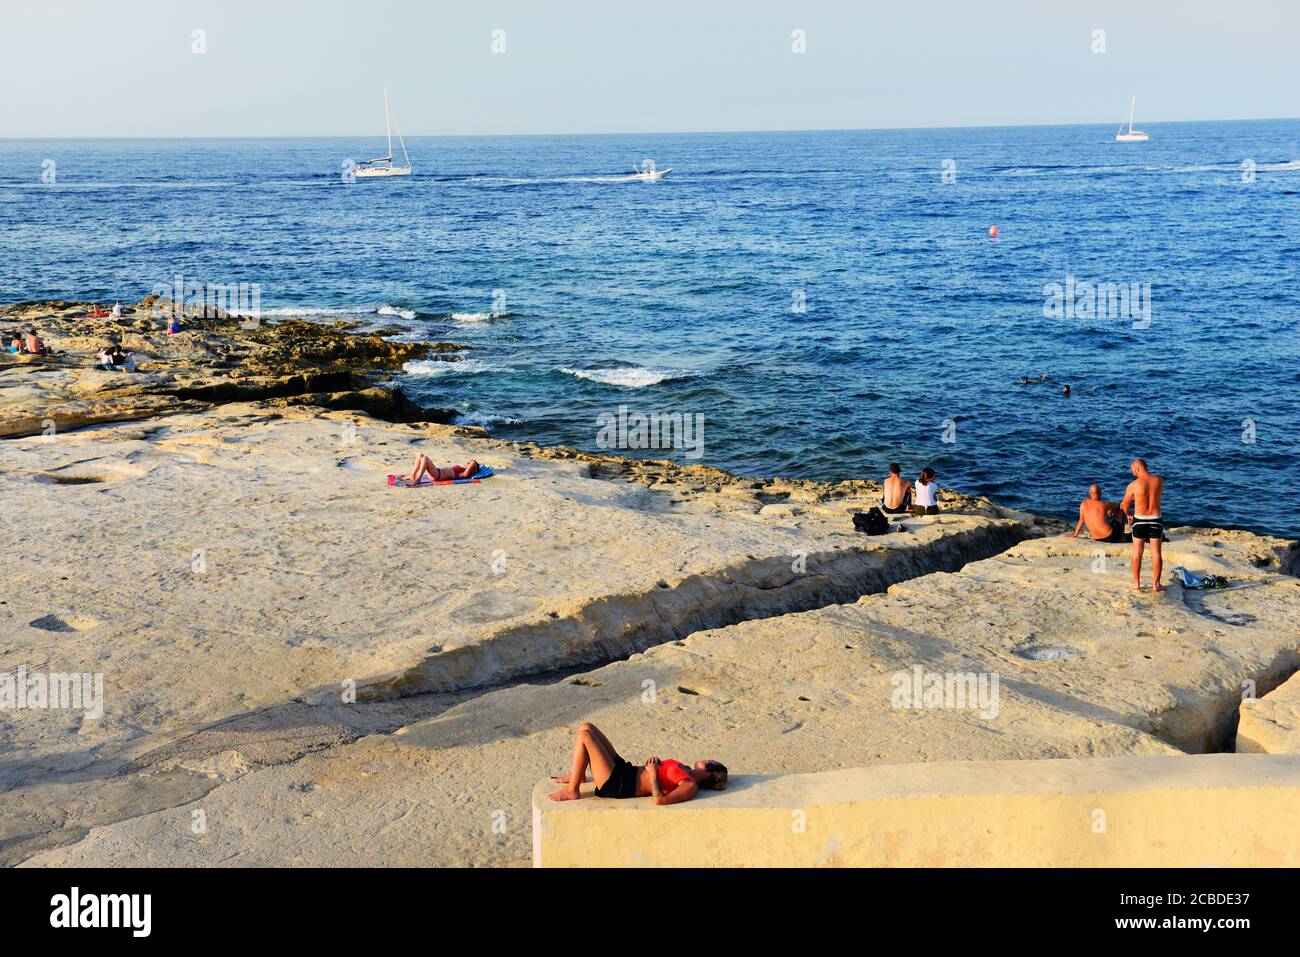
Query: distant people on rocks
x: 117, y: 310
x: 113, y: 359
x: 35, y: 345
x: 897, y: 497
x: 925, y: 494
x: 173, y: 326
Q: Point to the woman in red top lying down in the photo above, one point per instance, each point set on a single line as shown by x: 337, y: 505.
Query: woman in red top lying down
x: 668, y: 782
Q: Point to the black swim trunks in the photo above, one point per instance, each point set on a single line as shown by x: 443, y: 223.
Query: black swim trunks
x: 904, y: 506
x: 1149, y: 529
x: 621, y: 782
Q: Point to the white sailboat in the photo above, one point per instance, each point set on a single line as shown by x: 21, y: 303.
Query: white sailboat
x: 1132, y: 136
x: 383, y: 165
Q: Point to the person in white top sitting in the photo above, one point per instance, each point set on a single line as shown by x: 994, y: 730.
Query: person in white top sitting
x: 925, y: 492
x: 117, y: 310
x: 112, y: 359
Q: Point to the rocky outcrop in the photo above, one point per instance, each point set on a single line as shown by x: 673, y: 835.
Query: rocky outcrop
x: 1271, y: 724
x: 216, y: 359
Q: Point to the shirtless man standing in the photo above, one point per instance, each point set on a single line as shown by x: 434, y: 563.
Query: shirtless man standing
x: 898, y: 492
x: 1144, y: 494
x: 1096, y: 513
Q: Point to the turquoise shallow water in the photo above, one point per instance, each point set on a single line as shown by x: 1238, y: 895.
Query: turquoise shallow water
x: 677, y: 296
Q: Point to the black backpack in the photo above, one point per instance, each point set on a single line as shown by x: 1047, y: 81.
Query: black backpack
x: 872, y: 522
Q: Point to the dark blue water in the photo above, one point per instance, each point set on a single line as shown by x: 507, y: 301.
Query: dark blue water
x: 677, y: 296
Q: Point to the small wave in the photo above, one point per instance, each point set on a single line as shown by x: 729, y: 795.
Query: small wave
x: 630, y: 377
x: 475, y: 316
x: 425, y: 368
x: 319, y: 311
x: 486, y: 419
x: 345, y: 312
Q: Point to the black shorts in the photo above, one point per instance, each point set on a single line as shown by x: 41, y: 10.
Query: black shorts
x: 1148, y: 529
x: 621, y: 782
x: 1117, y: 535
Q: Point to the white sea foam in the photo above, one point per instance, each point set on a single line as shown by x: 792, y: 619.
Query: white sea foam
x: 630, y: 377
x: 439, y: 367
x: 318, y: 311
x: 486, y: 419
x: 351, y: 312
x: 471, y: 316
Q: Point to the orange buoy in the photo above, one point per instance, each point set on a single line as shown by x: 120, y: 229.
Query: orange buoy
x: 993, y: 231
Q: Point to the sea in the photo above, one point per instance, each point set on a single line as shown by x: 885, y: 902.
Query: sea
x: 813, y: 304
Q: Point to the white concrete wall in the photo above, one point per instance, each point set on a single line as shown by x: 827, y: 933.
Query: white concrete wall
x: 1231, y: 810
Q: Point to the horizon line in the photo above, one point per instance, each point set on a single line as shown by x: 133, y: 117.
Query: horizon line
x: 697, y: 132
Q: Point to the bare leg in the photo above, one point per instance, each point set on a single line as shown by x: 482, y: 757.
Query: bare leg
x: 1138, y: 543
x: 422, y: 465
x: 588, y: 751
x: 1157, y: 563
x: 599, y: 735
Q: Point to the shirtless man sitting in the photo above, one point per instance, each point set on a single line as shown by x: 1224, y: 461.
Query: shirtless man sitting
x: 424, y: 466
x: 1099, y: 516
x: 898, y: 492
x: 35, y: 345
x: 1144, y: 494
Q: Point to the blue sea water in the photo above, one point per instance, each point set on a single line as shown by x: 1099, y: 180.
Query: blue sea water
x: 683, y: 295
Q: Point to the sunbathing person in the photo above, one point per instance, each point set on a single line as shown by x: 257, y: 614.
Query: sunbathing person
x: 667, y: 782
x: 898, y: 492
x: 1105, y: 520
x: 424, y: 466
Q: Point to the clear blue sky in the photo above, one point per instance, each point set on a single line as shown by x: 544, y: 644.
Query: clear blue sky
x: 299, y: 68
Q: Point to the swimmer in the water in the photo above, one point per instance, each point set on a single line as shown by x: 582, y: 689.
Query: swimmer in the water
x: 1066, y: 390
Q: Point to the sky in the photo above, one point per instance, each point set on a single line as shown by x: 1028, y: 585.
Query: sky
x: 74, y: 68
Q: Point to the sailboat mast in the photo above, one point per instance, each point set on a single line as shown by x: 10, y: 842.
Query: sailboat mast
x: 389, y: 126
x: 1131, y: 104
